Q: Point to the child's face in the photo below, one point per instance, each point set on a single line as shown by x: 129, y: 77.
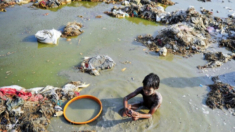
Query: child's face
x: 148, y: 91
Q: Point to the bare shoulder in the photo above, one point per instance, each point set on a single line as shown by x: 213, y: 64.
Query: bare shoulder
x: 159, y: 96
x: 139, y: 89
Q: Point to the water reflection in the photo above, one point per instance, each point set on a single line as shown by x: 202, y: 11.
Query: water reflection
x: 41, y: 45
x: 136, y: 20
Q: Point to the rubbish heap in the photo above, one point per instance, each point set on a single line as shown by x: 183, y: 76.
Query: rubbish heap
x: 50, y: 3
x: 147, y: 11
x: 6, y: 3
x: 180, y: 38
x: 221, y: 95
x: 31, y: 109
x: 93, y: 65
x: 72, y: 29
x: 216, y: 59
x: 228, y: 40
x: 192, y: 30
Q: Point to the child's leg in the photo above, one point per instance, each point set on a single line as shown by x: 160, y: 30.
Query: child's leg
x: 133, y: 107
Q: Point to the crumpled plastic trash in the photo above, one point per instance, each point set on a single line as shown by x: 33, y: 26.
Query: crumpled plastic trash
x: 74, y: 86
x: 119, y: 13
x: 18, y: 111
x: 163, y: 51
x: 59, y: 113
x: 94, y: 64
x: 48, y: 36
x: 14, y: 104
x: 58, y: 108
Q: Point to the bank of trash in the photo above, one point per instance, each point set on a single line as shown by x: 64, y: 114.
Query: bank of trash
x: 187, y: 32
x: 221, y: 96
x: 72, y: 29
x: 93, y: 65
x: 216, y: 59
x: 48, y: 36
x: 180, y: 38
x: 31, y: 109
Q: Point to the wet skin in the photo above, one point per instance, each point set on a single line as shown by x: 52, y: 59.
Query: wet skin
x: 151, y: 99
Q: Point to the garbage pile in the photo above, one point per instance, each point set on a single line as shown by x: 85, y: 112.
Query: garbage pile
x: 31, y: 109
x: 216, y: 59
x: 50, y: 3
x: 228, y: 40
x: 221, y: 95
x: 72, y: 29
x: 229, y: 43
x: 165, y: 2
x: 147, y: 11
x: 93, y: 65
x: 48, y: 36
x: 6, y: 3
x: 180, y: 38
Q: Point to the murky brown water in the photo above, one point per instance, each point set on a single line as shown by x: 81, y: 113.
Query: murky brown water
x: 34, y: 64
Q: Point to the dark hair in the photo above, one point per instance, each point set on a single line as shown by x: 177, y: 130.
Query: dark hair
x: 151, y: 80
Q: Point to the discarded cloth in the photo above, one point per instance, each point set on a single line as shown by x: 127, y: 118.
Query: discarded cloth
x: 48, y: 36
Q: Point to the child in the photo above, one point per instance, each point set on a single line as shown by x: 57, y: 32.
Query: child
x: 151, y: 98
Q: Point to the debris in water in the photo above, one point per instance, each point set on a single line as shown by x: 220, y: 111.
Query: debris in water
x: 99, y: 16
x: 221, y: 95
x: 93, y: 65
x: 123, y: 69
x: 215, y: 59
x: 72, y: 29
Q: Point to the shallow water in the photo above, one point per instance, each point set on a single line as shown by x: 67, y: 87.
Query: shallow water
x: 82, y: 110
x: 34, y: 64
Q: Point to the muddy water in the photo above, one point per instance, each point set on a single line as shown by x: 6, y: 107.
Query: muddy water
x: 182, y: 86
x: 82, y: 110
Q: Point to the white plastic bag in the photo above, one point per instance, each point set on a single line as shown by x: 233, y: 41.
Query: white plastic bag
x: 48, y: 36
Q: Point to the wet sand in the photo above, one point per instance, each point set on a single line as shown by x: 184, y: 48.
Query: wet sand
x: 34, y: 64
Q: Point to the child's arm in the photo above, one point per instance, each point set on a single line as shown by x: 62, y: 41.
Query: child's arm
x: 129, y: 96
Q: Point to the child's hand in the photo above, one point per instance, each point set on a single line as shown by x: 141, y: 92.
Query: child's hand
x: 128, y: 112
x: 135, y: 118
x: 135, y: 115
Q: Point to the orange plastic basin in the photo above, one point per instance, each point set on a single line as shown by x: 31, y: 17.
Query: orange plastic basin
x: 82, y: 97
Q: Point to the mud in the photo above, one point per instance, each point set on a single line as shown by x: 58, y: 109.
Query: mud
x: 221, y: 96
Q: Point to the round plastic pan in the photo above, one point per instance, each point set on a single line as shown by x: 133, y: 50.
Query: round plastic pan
x: 82, y: 97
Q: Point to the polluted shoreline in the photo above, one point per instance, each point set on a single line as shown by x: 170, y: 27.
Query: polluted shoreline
x: 215, y: 58
x: 31, y: 109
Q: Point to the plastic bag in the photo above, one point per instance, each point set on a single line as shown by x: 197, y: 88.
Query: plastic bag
x: 48, y: 36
